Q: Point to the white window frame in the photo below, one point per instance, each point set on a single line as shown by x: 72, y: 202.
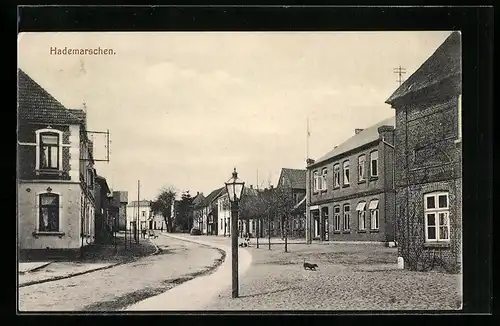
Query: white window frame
x: 37, y: 207
x: 347, y: 217
x: 324, y: 175
x: 346, y: 168
x: 372, y: 159
x: 361, y: 167
x: 336, y: 218
x: 316, y: 181
x: 437, y: 211
x: 336, y: 175
x: 374, y: 215
x: 38, y: 137
x: 360, y: 208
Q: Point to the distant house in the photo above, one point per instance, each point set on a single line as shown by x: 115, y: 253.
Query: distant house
x: 428, y: 160
x: 295, y: 181
x: 209, y: 212
x: 197, y: 211
x: 104, y: 221
x: 350, y: 190
x: 139, y: 212
x: 56, y: 174
x: 121, y: 199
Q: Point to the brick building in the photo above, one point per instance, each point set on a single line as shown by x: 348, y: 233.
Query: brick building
x: 428, y: 158
x: 104, y: 217
x: 350, y: 190
x: 121, y: 200
x: 56, y: 174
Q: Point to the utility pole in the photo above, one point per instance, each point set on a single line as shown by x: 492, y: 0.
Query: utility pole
x: 138, y: 214
x: 400, y: 71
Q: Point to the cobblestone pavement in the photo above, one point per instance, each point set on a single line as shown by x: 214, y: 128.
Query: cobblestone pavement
x: 350, y: 277
x: 115, y: 288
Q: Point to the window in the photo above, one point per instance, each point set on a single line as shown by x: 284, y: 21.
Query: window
x: 437, y: 218
x: 143, y: 213
x: 346, y: 172
x: 315, y: 181
x: 361, y: 167
x: 374, y: 164
x: 221, y: 224
x: 336, y: 175
x: 361, y: 216
x: 347, y: 217
x: 336, y: 218
x: 90, y: 178
x: 49, y: 213
x: 374, y: 218
x: 324, y: 173
x: 49, y: 147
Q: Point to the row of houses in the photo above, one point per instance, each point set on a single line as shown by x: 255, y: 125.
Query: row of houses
x: 212, y: 214
x: 399, y: 180
x: 63, y: 205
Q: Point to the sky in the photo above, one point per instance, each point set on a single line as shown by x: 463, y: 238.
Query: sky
x: 184, y: 108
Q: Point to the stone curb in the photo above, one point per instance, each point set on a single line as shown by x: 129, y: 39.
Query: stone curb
x: 36, y: 268
x: 57, y: 278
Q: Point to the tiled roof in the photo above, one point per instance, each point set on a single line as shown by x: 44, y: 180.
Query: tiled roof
x: 363, y: 137
x: 443, y: 63
x: 296, y: 177
x: 212, y: 196
x: 35, y: 104
x: 142, y: 203
x: 198, y: 200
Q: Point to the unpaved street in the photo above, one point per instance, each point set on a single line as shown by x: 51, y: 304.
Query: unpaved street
x: 118, y: 287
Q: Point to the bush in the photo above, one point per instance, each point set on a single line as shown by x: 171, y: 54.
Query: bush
x: 195, y: 231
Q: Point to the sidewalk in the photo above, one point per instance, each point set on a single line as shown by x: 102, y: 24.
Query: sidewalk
x: 96, y: 257
x: 201, y: 291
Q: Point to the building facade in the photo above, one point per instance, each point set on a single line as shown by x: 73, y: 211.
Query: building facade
x: 121, y: 199
x: 294, y: 181
x: 104, y: 221
x: 350, y: 190
x: 141, y: 212
x: 56, y: 174
x: 428, y: 161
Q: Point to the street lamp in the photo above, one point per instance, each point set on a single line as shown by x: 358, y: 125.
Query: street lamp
x: 234, y: 187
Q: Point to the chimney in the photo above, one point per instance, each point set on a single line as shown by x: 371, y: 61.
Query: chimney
x: 357, y: 131
x: 197, y: 193
x: 251, y: 186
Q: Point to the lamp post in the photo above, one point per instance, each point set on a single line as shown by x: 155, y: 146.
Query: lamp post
x: 234, y: 187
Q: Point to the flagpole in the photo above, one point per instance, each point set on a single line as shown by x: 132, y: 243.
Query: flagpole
x: 307, y: 139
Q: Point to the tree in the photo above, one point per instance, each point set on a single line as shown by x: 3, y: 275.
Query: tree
x: 284, y: 204
x: 163, y: 205
x: 185, y: 219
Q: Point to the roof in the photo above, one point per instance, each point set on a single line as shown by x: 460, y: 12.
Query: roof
x: 35, y: 104
x: 142, y: 203
x: 365, y: 136
x: 198, y: 200
x: 102, y: 181
x: 212, y: 196
x: 443, y: 63
x: 296, y: 177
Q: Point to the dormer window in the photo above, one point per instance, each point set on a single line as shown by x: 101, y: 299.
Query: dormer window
x: 48, y: 149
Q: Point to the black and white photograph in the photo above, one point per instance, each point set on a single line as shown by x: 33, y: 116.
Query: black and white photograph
x: 239, y: 171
